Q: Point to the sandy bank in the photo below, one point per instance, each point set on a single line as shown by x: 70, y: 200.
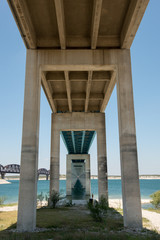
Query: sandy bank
x: 3, y: 181
x: 63, y: 177
x: 115, y: 203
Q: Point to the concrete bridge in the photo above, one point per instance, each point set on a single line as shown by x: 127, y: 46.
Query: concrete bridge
x: 78, y: 51
x: 15, y: 169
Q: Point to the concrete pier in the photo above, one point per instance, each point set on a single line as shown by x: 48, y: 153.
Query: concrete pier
x: 85, y: 178
x: 54, y: 159
x: 128, y: 146
x: 102, y: 161
x: 30, y: 140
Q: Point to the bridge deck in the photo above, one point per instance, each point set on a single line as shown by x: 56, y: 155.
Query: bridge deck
x: 83, y: 24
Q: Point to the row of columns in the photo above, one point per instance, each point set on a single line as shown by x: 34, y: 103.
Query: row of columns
x: 30, y: 139
x: 101, y: 156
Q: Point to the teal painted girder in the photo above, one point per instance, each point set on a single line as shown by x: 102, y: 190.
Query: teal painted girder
x: 78, y: 142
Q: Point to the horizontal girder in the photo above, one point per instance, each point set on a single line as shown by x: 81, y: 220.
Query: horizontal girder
x: 78, y: 142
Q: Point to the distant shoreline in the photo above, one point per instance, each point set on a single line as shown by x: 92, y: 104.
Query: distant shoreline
x: 63, y: 177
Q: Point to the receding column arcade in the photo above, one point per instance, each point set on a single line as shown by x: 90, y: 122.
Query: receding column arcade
x: 80, y: 122
x: 116, y: 64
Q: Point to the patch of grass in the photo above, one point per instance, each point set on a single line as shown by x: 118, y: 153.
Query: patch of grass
x: 146, y: 223
x: 72, y: 223
x: 153, y: 210
x: 72, y: 235
x: 9, y: 205
x: 120, y: 210
x: 75, y: 218
x: 7, y: 219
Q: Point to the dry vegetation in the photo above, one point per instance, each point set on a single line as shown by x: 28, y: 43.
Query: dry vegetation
x: 70, y: 223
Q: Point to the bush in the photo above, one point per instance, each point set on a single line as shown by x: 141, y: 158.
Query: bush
x: 156, y: 199
x: 54, y: 198
x: 99, y: 209
x: 40, y: 198
x: 2, y: 199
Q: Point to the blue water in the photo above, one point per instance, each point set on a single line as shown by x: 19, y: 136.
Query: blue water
x: 147, y: 188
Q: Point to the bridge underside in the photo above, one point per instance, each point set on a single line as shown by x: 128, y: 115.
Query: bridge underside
x: 78, y: 142
x: 78, y: 50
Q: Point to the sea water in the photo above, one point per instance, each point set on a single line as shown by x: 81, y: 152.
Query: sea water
x: 147, y: 187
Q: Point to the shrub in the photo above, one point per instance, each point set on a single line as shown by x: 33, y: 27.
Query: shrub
x: 99, y: 209
x: 40, y: 198
x: 54, y: 198
x: 2, y: 199
x: 156, y: 199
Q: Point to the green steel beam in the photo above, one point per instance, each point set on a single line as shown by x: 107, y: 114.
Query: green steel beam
x: 82, y: 144
x: 64, y: 140
x: 94, y: 134
x: 73, y: 141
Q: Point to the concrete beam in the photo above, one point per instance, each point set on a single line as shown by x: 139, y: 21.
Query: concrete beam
x: 77, y: 96
x: 23, y: 20
x: 76, y: 41
x: 88, y: 89
x: 97, y: 7
x: 108, y: 91
x: 48, y: 92
x: 132, y: 21
x: 68, y: 88
x: 78, y: 67
x: 61, y: 22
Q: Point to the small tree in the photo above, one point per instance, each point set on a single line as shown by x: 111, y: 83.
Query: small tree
x: 54, y: 198
x: 99, y: 209
x: 156, y: 199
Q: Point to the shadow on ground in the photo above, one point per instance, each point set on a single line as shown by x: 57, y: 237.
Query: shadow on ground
x: 70, y: 223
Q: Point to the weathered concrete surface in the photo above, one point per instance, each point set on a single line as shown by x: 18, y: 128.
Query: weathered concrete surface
x: 78, y: 24
x: 30, y: 140
x: 128, y: 146
x: 55, y: 154
x: 102, y: 162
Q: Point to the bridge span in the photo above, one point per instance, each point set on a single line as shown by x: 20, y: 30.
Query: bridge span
x: 15, y: 169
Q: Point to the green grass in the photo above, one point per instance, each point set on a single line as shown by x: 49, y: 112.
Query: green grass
x: 73, y: 217
x: 7, y: 219
x: 8, y: 205
x: 154, y: 210
x: 72, y: 223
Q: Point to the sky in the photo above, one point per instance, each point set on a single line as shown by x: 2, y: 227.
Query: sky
x: 145, y: 56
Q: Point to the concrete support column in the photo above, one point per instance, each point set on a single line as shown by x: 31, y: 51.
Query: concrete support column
x: 54, y: 160
x: 102, y: 160
x: 30, y: 141
x: 88, y: 177
x: 68, y: 176
x: 128, y: 147
x: 3, y: 175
